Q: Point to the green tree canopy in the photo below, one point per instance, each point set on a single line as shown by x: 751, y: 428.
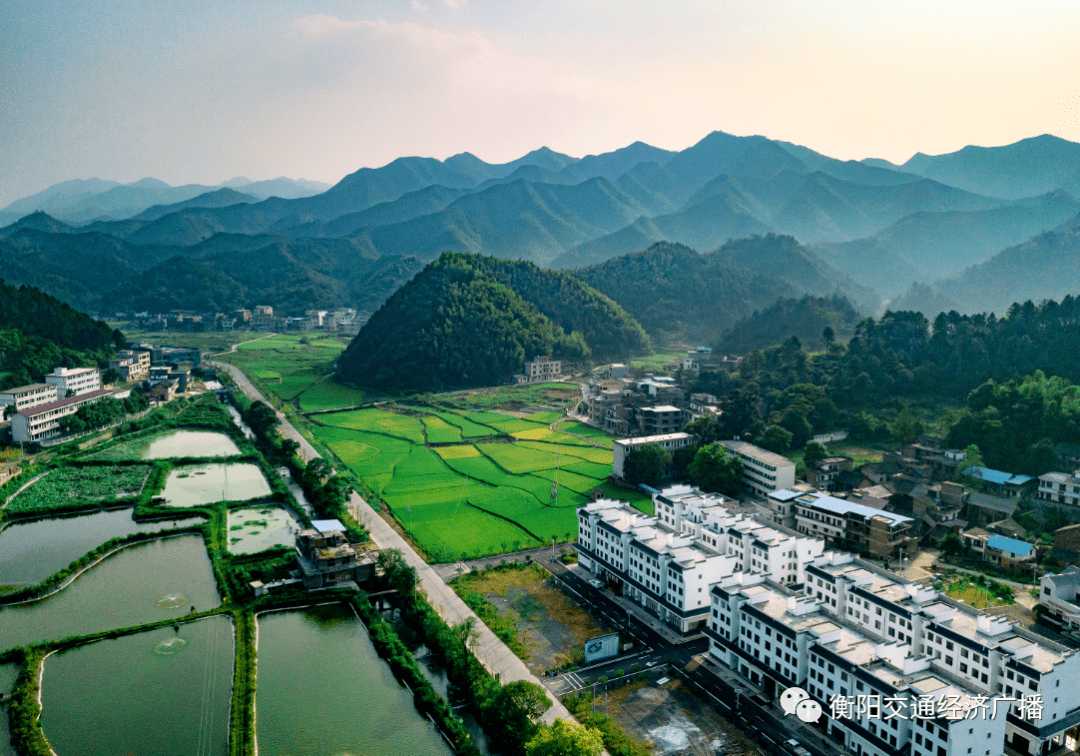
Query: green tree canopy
x: 565, y: 738
x: 714, y: 470
x: 815, y: 452
x: 776, y: 439
x: 646, y: 464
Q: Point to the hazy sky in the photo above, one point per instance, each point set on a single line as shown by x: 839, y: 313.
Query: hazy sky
x: 193, y: 91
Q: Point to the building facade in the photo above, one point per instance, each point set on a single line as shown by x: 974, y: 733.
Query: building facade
x: 883, y: 534
x: 29, y: 396
x: 1057, y: 487
x: 540, y: 369
x: 74, y: 381
x: 763, y: 471
x: 32, y: 426
x: 669, y: 442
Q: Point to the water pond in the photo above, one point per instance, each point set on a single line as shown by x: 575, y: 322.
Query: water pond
x: 172, y: 444
x: 31, y: 550
x: 322, y: 689
x: 8, y: 673
x: 141, y: 583
x: 165, y: 692
x: 257, y: 528
x: 194, y: 485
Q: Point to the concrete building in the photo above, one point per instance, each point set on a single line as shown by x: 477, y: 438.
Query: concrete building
x: 896, y: 667
x: 763, y: 471
x: 29, y: 396
x: 74, y: 381
x: 132, y: 364
x: 883, y: 534
x: 826, y: 475
x: 666, y: 563
x: 540, y: 369
x: 655, y: 421
x: 670, y: 442
x: 31, y: 426
x: 1002, y: 551
x: 1060, y: 594
x: 1002, y: 483
x: 1057, y: 487
x: 327, y: 559
x: 616, y: 370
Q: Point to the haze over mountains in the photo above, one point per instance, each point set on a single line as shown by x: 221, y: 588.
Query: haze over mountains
x: 869, y: 230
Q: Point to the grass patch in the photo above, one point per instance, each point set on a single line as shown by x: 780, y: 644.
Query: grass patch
x: 66, y: 487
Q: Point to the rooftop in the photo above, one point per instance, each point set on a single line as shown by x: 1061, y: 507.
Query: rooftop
x: 29, y: 388
x: 997, y: 477
x: 653, y: 439
x: 89, y: 396
x: 1010, y: 545
x: 842, y: 507
x: 761, y: 455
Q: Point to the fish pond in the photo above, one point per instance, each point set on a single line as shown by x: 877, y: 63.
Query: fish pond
x: 195, y: 485
x: 322, y: 689
x: 259, y: 527
x: 172, y: 445
x: 165, y: 691
x: 145, y: 582
x: 31, y: 550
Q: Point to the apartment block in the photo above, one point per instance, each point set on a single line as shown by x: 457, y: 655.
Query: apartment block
x: 666, y: 418
x: 74, y: 381
x: 763, y: 471
x: 540, y: 369
x: 884, y: 534
x: 27, y: 397
x: 896, y: 667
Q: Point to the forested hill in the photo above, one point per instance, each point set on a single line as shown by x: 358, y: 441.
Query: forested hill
x: 468, y: 320
x: 806, y: 319
x: 39, y: 332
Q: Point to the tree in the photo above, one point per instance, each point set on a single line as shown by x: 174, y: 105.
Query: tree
x: 714, y: 471
x: 110, y: 377
x: 646, y: 464
x: 289, y: 447
x: 951, y: 544
x: 776, y: 439
x: 317, y: 471
x: 906, y: 427
x: 529, y: 697
x: 815, y: 452
x: 565, y: 739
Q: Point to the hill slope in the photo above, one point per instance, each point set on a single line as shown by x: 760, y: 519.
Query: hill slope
x: 459, y: 323
x: 805, y: 318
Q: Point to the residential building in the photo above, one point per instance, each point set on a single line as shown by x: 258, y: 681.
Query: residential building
x: 655, y: 421
x: 29, y: 396
x: 763, y: 471
x: 883, y: 534
x: 74, y: 381
x: 540, y: 369
x: 40, y: 423
x: 616, y: 370
x: 1060, y: 594
x: 262, y: 318
x: 1002, y: 551
x: 132, y: 364
x: 176, y: 356
x: 670, y: 442
x: 1002, y: 483
x: 327, y: 559
x: 825, y: 476
x: 666, y: 563
x: 1058, y: 487
x: 896, y: 667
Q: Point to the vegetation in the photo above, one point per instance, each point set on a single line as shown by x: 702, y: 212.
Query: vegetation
x: 39, y: 332
x: 616, y: 741
x: 646, y: 464
x: 565, y: 739
x: 68, y: 487
x: 714, y: 470
x: 101, y: 413
x: 817, y: 322
x: 460, y: 324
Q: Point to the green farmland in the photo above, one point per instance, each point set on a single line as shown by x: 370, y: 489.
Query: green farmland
x: 466, y: 482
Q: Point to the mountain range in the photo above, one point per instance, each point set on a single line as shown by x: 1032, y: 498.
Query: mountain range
x: 870, y: 229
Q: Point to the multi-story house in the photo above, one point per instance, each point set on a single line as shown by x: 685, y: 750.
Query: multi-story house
x: 654, y: 421
x: 42, y: 422
x: 28, y: 397
x: 763, y: 471
x: 1057, y: 487
x: 74, y: 381
x: 883, y: 534
x: 540, y: 369
x: 669, y: 442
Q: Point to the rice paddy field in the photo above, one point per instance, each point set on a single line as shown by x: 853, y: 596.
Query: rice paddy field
x: 472, y: 481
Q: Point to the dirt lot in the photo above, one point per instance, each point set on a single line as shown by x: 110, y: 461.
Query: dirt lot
x: 552, y: 627
x: 673, y: 719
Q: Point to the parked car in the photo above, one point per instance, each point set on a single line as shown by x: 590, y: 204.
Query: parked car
x: 596, y: 584
x: 795, y: 747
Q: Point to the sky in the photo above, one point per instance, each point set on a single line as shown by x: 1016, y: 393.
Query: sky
x: 188, y: 91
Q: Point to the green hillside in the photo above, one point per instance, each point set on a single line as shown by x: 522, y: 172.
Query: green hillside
x: 805, y: 319
x: 467, y: 320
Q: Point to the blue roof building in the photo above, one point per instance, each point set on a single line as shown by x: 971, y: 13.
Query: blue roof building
x: 1004, y: 482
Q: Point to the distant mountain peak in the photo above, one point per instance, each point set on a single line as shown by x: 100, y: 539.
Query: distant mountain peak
x: 149, y: 183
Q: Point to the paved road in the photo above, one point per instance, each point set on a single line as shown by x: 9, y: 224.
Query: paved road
x: 491, y: 651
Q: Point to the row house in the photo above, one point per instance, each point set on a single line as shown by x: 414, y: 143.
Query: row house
x: 896, y: 667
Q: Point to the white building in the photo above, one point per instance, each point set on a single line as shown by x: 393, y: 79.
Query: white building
x: 29, y: 396
x: 763, y: 471
x: 872, y: 648
x: 666, y: 563
x: 669, y: 442
x: 882, y: 533
x: 74, y: 381
x: 1060, y: 594
x: 43, y: 422
x: 540, y: 369
x: 1060, y: 487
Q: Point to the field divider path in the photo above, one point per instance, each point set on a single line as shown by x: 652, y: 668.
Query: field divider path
x: 492, y: 652
x: 568, y: 433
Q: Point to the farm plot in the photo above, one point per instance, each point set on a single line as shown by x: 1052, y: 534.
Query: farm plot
x: 469, y: 429
x: 390, y: 423
x: 519, y: 459
x: 372, y: 456
x: 439, y: 431
x: 587, y: 431
x: 584, y: 453
x: 329, y: 394
x: 71, y: 486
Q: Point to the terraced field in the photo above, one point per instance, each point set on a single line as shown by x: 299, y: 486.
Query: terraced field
x: 465, y: 482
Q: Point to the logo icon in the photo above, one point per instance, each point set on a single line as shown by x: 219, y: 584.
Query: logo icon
x: 797, y: 701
